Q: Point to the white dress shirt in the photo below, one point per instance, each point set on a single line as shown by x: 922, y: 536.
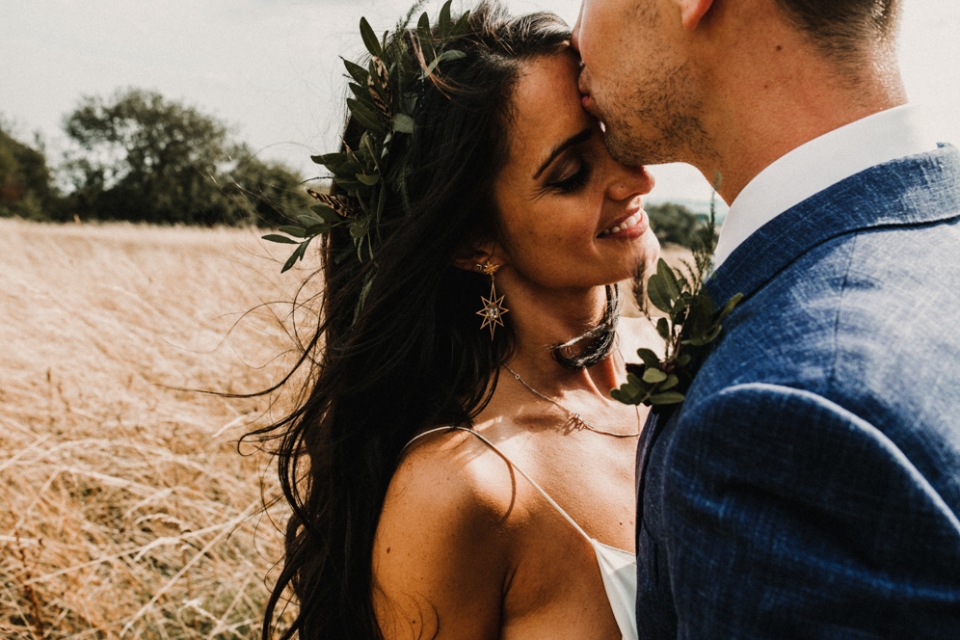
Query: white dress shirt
x: 819, y: 164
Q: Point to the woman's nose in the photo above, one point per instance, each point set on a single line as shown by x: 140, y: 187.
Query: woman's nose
x: 630, y: 181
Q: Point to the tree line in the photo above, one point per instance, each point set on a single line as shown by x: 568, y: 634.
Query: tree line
x: 142, y: 158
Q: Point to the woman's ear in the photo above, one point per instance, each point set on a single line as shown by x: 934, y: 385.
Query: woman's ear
x: 476, y: 254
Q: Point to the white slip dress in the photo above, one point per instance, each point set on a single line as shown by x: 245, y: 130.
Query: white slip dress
x: 618, y: 568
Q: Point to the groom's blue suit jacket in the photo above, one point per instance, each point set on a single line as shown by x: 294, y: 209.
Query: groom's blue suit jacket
x: 809, y: 487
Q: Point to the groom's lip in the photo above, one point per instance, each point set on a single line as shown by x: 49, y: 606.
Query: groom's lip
x: 589, y: 105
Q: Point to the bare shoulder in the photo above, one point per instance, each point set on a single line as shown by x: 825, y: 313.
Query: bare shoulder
x: 453, y: 473
x: 440, y: 549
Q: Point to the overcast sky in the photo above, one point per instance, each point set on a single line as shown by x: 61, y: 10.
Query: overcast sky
x: 270, y: 67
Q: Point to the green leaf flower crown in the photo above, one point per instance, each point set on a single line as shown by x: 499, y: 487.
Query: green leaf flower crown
x: 385, y: 98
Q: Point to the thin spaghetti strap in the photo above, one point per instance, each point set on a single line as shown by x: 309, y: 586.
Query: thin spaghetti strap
x: 536, y: 486
x: 523, y: 473
x: 428, y: 432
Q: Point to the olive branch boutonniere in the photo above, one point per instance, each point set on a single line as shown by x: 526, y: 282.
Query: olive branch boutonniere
x: 690, y: 326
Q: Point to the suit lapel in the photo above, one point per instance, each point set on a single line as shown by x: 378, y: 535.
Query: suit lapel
x: 656, y: 422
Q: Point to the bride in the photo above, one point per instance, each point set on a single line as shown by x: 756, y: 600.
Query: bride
x: 456, y: 468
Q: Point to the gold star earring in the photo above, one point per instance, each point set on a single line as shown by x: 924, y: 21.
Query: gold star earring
x: 493, y: 309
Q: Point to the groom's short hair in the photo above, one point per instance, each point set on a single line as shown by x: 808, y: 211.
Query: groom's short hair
x: 842, y: 28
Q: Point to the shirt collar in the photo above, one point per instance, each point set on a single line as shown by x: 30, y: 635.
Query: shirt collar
x: 818, y: 164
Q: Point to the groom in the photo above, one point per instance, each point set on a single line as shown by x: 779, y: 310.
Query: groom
x: 809, y: 486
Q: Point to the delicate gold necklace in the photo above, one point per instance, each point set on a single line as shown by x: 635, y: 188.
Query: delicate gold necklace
x: 576, y: 417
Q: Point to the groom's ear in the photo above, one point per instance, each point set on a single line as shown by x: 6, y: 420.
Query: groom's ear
x: 692, y: 12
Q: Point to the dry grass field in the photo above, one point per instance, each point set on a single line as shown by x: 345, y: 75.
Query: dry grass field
x: 127, y: 511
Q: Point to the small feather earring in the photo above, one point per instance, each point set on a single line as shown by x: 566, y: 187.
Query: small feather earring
x: 493, y: 309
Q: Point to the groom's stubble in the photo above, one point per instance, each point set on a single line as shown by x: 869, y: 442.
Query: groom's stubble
x: 649, y: 103
x: 658, y: 123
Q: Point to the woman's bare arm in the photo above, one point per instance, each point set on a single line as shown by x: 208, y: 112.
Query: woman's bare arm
x: 441, y: 558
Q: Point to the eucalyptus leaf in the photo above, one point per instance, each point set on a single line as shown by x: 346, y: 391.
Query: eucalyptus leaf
x: 347, y: 184
x: 446, y: 56
x: 358, y: 73
x: 336, y: 162
x: 664, y: 329
x: 296, y: 232
x: 657, y: 291
x: 731, y: 304
x: 668, y: 279
x: 402, y: 123
x: 648, y: 357
x: 368, y: 180
x: 367, y: 145
x: 625, y: 396
x: 273, y: 237
x: 451, y: 55
x: 358, y: 92
x: 463, y: 24
x: 705, y: 338
x: 425, y: 37
x: 358, y: 230
x: 326, y: 213
x: 308, y: 220
x: 318, y: 229
x: 700, y: 317
x: 653, y: 376
x: 366, y: 116
x: 669, y: 397
x: 669, y: 383
x: 370, y: 40
x: 679, y: 306
x: 712, y: 335
x: 296, y: 255
x: 633, y: 385
x: 445, y: 19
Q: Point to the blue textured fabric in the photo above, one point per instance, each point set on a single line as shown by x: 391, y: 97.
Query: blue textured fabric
x: 809, y: 487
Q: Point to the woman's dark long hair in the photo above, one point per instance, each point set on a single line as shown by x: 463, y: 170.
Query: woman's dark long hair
x: 414, y: 355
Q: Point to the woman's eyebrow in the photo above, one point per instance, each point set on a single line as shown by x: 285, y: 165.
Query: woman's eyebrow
x: 572, y: 141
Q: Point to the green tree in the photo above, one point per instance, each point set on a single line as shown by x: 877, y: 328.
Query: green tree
x: 263, y: 193
x: 673, y: 224
x: 143, y: 158
x: 26, y: 187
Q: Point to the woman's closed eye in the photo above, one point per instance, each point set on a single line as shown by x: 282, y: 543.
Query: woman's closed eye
x: 573, y: 178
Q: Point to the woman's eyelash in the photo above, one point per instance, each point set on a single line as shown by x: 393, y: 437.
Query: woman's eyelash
x: 576, y: 181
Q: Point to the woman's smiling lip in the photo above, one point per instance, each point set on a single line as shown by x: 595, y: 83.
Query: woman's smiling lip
x: 630, y: 226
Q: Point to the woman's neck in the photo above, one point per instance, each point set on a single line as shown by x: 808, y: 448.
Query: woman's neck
x: 541, y: 320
